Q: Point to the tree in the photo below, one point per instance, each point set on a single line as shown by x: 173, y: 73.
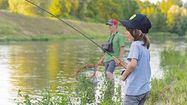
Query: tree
x: 158, y: 21
x: 180, y: 26
x: 23, y: 7
x: 3, y: 4
x: 165, y: 5
x: 74, y: 7
x: 54, y: 7
x: 174, y: 14
x: 66, y: 6
x: 170, y: 8
x: 128, y: 7
x: 82, y: 9
x: 92, y: 9
x: 147, y: 8
x: 109, y: 9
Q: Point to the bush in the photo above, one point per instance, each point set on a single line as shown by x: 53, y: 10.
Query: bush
x: 180, y: 27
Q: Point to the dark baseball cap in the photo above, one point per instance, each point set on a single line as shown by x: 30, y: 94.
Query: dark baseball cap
x: 112, y: 22
x: 138, y: 21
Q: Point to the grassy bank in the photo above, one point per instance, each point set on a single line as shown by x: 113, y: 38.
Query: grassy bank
x: 16, y: 27
x: 83, y: 94
x: 172, y: 89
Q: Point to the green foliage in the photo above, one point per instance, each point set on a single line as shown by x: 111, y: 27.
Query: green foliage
x: 46, y: 98
x: 108, y: 93
x: 109, y: 9
x: 128, y: 7
x: 165, y: 15
x: 3, y: 4
x: 83, y: 94
x: 68, y: 7
x: 82, y: 9
x: 86, y: 90
x: 180, y: 26
x: 92, y: 9
x: 158, y: 20
x: 171, y: 89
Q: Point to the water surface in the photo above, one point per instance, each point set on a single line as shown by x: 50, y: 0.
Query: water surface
x: 33, y: 66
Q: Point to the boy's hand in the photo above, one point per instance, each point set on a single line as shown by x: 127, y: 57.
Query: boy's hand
x: 117, y: 61
x: 122, y: 78
x: 100, y: 62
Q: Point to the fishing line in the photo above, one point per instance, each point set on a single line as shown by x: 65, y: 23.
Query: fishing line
x: 81, y: 33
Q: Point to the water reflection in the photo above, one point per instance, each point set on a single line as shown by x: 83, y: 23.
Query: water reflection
x: 5, y: 85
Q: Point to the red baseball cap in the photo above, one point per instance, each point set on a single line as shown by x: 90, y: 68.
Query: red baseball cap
x: 112, y: 22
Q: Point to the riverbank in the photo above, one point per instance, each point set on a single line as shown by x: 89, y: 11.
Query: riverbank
x: 169, y: 90
x: 172, y: 88
x: 16, y: 27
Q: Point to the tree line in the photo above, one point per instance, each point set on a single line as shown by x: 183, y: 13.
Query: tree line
x: 167, y: 15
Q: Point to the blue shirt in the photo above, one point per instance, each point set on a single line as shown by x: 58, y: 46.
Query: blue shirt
x: 138, y: 82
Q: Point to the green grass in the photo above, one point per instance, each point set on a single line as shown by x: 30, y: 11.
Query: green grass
x: 84, y: 93
x: 16, y: 27
x: 172, y: 89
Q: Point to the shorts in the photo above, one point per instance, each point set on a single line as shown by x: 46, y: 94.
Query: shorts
x: 110, y: 66
x: 136, y: 100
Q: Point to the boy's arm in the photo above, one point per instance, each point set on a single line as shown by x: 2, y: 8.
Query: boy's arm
x: 121, y: 53
x: 100, y: 62
x: 130, y: 67
x: 120, y: 58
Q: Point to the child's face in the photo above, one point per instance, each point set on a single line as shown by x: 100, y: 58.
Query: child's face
x: 129, y: 36
x: 112, y: 28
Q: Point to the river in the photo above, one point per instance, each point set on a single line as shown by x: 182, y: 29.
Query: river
x: 33, y: 66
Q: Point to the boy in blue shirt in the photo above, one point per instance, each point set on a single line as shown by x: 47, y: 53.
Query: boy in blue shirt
x: 138, y: 71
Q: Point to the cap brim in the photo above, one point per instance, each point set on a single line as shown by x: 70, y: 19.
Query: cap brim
x: 108, y: 23
x: 127, y: 24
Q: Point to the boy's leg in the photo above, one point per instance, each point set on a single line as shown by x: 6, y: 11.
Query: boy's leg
x: 109, y: 75
x: 110, y: 69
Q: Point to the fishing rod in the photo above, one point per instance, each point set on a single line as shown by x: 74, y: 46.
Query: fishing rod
x: 81, y: 33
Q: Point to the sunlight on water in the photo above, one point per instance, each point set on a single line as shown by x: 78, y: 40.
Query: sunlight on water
x: 156, y: 71
x: 5, y: 85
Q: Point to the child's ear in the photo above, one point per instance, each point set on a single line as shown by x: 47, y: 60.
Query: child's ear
x: 134, y: 33
x: 139, y: 32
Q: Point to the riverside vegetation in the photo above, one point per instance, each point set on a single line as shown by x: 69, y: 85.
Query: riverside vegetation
x: 170, y: 90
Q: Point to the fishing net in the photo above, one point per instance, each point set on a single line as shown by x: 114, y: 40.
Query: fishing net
x: 88, y: 71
